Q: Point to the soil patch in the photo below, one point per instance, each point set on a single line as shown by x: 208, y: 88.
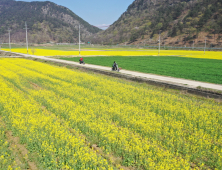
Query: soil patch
x: 20, y: 151
x: 115, y: 160
x: 35, y: 86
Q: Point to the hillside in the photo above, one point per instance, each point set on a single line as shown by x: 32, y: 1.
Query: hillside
x: 46, y: 21
x: 181, y: 22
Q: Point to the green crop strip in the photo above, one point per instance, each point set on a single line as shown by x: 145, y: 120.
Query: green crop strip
x: 206, y: 70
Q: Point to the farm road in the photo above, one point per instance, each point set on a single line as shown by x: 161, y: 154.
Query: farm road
x: 164, y: 79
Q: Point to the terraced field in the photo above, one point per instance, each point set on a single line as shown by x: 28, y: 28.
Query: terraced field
x: 56, y: 118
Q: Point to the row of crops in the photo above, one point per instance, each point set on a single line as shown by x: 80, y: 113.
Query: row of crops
x: 60, y: 115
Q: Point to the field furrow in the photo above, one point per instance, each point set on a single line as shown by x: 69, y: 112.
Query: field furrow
x: 45, y: 137
x: 128, y: 124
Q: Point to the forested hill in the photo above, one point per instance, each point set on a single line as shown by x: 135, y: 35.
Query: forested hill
x: 46, y: 21
x: 180, y: 22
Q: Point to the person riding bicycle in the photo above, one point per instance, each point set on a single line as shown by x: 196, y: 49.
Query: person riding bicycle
x: 114, y: 66
x: 81, y: 61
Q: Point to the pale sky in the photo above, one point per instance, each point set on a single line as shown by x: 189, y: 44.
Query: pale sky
x: 95, y: 12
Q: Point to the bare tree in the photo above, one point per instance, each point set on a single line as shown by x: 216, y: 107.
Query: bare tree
x: 33, y: 50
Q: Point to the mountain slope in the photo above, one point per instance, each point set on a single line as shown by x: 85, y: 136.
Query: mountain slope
x: 180, y: 22
x: 46, y: 22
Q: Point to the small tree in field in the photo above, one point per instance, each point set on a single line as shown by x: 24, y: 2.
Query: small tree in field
x: 33, y: 51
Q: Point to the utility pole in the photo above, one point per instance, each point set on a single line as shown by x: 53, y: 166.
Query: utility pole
x: 9, y: 39
x: 159, y: 43
x: 205, y: 44
x: 79, y: 40
x: 164, y: 44
x: 26, y: 37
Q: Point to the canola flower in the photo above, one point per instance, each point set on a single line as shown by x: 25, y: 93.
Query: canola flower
x: 147, y: 128
x: 56, y: 147
x: 7, y: 158
x: 182, y: 53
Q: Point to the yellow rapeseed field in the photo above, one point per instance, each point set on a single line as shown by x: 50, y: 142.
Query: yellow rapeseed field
x: 7, y: 159
x: 60, y: 115
x: 192, y: 54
